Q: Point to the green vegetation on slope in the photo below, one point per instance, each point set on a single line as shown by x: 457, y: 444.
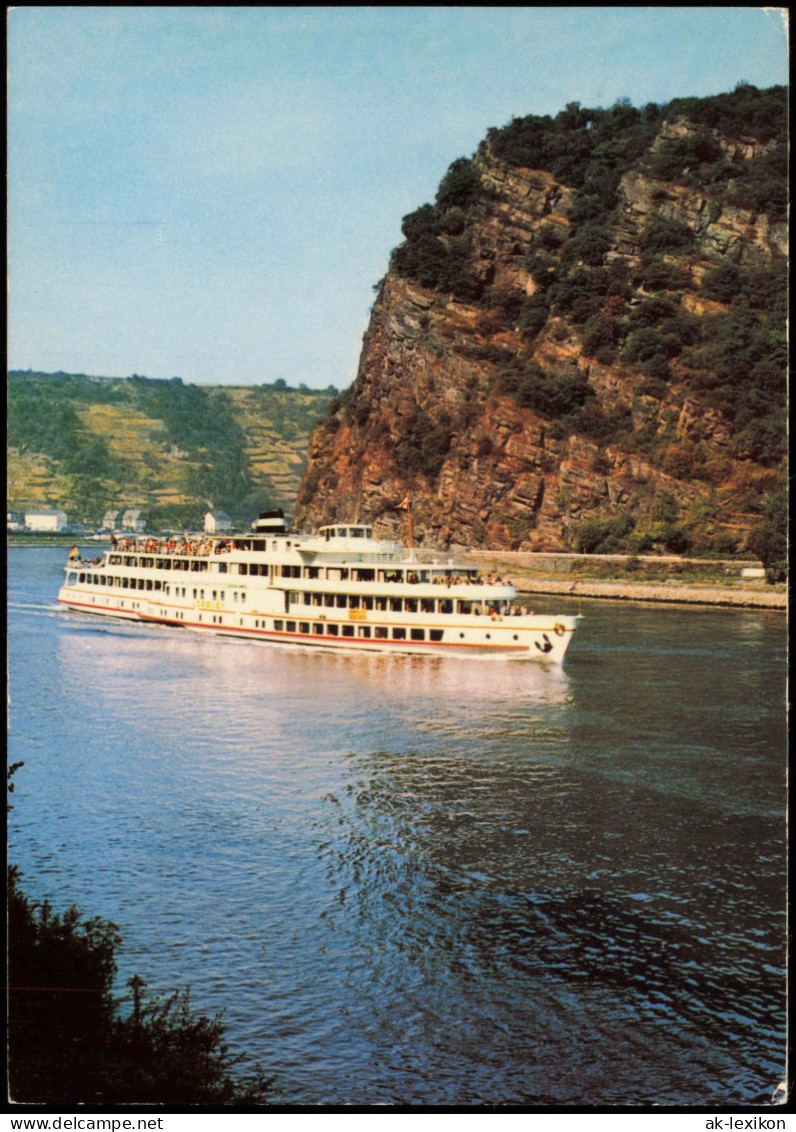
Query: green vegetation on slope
x: 89, y: 444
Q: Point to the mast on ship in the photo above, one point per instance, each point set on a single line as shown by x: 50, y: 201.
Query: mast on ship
x: 406, y: 505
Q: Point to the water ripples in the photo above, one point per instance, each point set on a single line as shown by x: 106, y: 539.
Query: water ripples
x: 410, y: 880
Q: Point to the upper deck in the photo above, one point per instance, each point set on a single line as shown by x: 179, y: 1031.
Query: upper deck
x: 338, y: 553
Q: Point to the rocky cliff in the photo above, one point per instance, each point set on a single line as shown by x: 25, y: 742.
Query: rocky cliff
x: 580, y: 344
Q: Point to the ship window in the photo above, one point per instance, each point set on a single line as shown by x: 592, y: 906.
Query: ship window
x: 279, y: 626
x: 381, y: 633
x: 418, y: 634
x: 436, y: 634
x: 427, y: 605
x: 399, y: 634
x: 82, y: 578
x: 243, y: 568
x: 291, y: 626
x: 353, y: 602
x: 318, y: 629
x: 149, y: 583
x: 446, y: 606
x: 367, y: 602
x: 410, y: 605
x: 364, y: 632
x: 311, y: 572
x: 328, y: 600
x: 341, y: 601
x: 396, y: 604
x: 304, y: 626
x: 243, y: 597
x: 222, y: 567
x: 332, y: 630
x: 381, y: 604
x: 348, y: 630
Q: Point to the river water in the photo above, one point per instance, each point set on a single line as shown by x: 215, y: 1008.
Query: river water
x: 427, y: 881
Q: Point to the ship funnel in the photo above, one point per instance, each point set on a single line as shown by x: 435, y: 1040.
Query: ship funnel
x: 270, y: 522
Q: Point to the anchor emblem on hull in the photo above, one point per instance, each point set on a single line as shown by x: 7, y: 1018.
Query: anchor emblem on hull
x: 547, y: 646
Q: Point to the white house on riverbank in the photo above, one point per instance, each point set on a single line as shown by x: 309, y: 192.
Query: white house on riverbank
x: 45, y: 520
x: 217, y: 522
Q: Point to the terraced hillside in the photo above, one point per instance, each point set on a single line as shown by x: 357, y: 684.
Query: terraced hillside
x: 89, y: 444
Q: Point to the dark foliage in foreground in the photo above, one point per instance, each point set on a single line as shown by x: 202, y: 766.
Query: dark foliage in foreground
x: 68, y: 1042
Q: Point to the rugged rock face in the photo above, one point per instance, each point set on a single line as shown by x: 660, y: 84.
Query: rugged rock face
x: 435, y: 411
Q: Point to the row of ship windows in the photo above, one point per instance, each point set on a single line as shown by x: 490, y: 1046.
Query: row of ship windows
x: 149, y: 585
x: 328, y: 601
x: 328, y: 629
x: 395, y: 604
x: 363, y: 632
x: 311, y: 573
x: 320, y: 629
x: 197, y: 565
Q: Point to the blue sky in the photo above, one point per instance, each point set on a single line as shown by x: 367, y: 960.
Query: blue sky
x: 213, y: 192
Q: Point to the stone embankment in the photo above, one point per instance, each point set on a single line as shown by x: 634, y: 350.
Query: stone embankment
x: 526, y: 570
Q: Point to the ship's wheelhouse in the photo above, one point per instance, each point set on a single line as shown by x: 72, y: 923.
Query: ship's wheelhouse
x: 356, y: 531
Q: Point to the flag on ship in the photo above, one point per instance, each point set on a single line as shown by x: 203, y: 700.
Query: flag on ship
x: 404, y: 505
x: 74, y: 553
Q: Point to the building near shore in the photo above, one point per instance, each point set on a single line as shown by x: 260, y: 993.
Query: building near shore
x: 133, y: 520
x: 46, y: 520
x: 217, y: 522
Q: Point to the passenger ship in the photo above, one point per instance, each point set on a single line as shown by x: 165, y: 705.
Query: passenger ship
x: 338, y: 588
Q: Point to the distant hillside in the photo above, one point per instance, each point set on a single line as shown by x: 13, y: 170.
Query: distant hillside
x: 89, y: 444
x: 581, y: 343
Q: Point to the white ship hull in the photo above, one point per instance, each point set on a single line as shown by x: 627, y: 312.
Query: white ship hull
x: 325, y: 591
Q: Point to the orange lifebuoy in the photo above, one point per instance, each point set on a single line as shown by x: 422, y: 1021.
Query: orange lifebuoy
x: 559, y: 629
